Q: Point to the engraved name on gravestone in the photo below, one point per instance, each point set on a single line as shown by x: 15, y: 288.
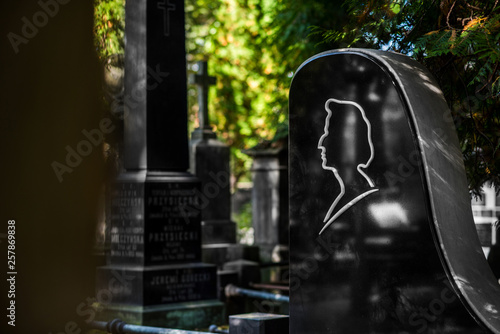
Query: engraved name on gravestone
x: 127, y: 231
x: 177, y: 239
x: 382, y: 238
x: 165, y: 285
x: 171, y: 234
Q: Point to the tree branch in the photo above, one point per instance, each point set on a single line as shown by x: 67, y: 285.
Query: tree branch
x: 449, y: 13
x: 473, y: 7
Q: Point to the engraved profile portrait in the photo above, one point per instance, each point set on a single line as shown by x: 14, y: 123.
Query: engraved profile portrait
x: 357, y: 163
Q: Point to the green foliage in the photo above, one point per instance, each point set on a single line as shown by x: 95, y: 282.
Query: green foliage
x: 467, y: 43
x: 109, y: 27
x: 254, y: 46
x: 458, y: 41
x: 244, y: 222
x: 244, y: 218
x: 249, y: 100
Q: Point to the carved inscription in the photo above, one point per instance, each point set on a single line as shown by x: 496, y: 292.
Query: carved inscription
x: 127, y: 221
x: 171, y: 235
x: 166, y: 7
x: 181, y: 285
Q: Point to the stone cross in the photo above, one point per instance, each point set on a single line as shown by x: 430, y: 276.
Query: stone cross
x: 203, y: 81
x: 166, y: 6
x: 155, y: 87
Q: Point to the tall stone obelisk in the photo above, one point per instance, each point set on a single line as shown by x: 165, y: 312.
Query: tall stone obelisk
x: 154, y: 274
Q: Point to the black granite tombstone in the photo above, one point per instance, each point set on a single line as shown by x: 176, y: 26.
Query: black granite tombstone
x: 155, y: 210
x: 382, y: 238
x: 155, y: 80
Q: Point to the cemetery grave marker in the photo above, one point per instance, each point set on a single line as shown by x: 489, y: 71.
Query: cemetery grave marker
x: 382, y: 238
x: 155, y: 220
x: 209, y: 161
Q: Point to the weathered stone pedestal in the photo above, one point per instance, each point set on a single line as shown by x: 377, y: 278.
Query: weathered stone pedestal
x: 210, y: 163
x: 270, y: 199
x: 258, y: 323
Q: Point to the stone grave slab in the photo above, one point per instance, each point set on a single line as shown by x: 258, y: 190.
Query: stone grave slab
x: 258, y: 323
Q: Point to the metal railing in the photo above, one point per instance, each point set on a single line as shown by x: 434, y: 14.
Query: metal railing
x: 232, y: 290
x: 118, y: 326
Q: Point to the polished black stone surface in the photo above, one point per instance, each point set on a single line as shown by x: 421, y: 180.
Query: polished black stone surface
x: 155, y: 219
x: 210, y: 163
x: 155, y: 98
x: 381, y: 232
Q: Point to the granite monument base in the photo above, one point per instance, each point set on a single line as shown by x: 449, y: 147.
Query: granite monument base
x: 219, y: 254
x: 189, y: 316
x: 156, y: 285
x: 218, y: 232
x: 258, y: 323
x: 215, y: 253
x: 209, y: 161
x: 266, y: 252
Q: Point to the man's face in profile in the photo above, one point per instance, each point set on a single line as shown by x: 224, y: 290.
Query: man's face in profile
x: 346, y: 142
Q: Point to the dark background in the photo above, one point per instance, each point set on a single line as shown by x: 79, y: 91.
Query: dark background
x: 49, y: 93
